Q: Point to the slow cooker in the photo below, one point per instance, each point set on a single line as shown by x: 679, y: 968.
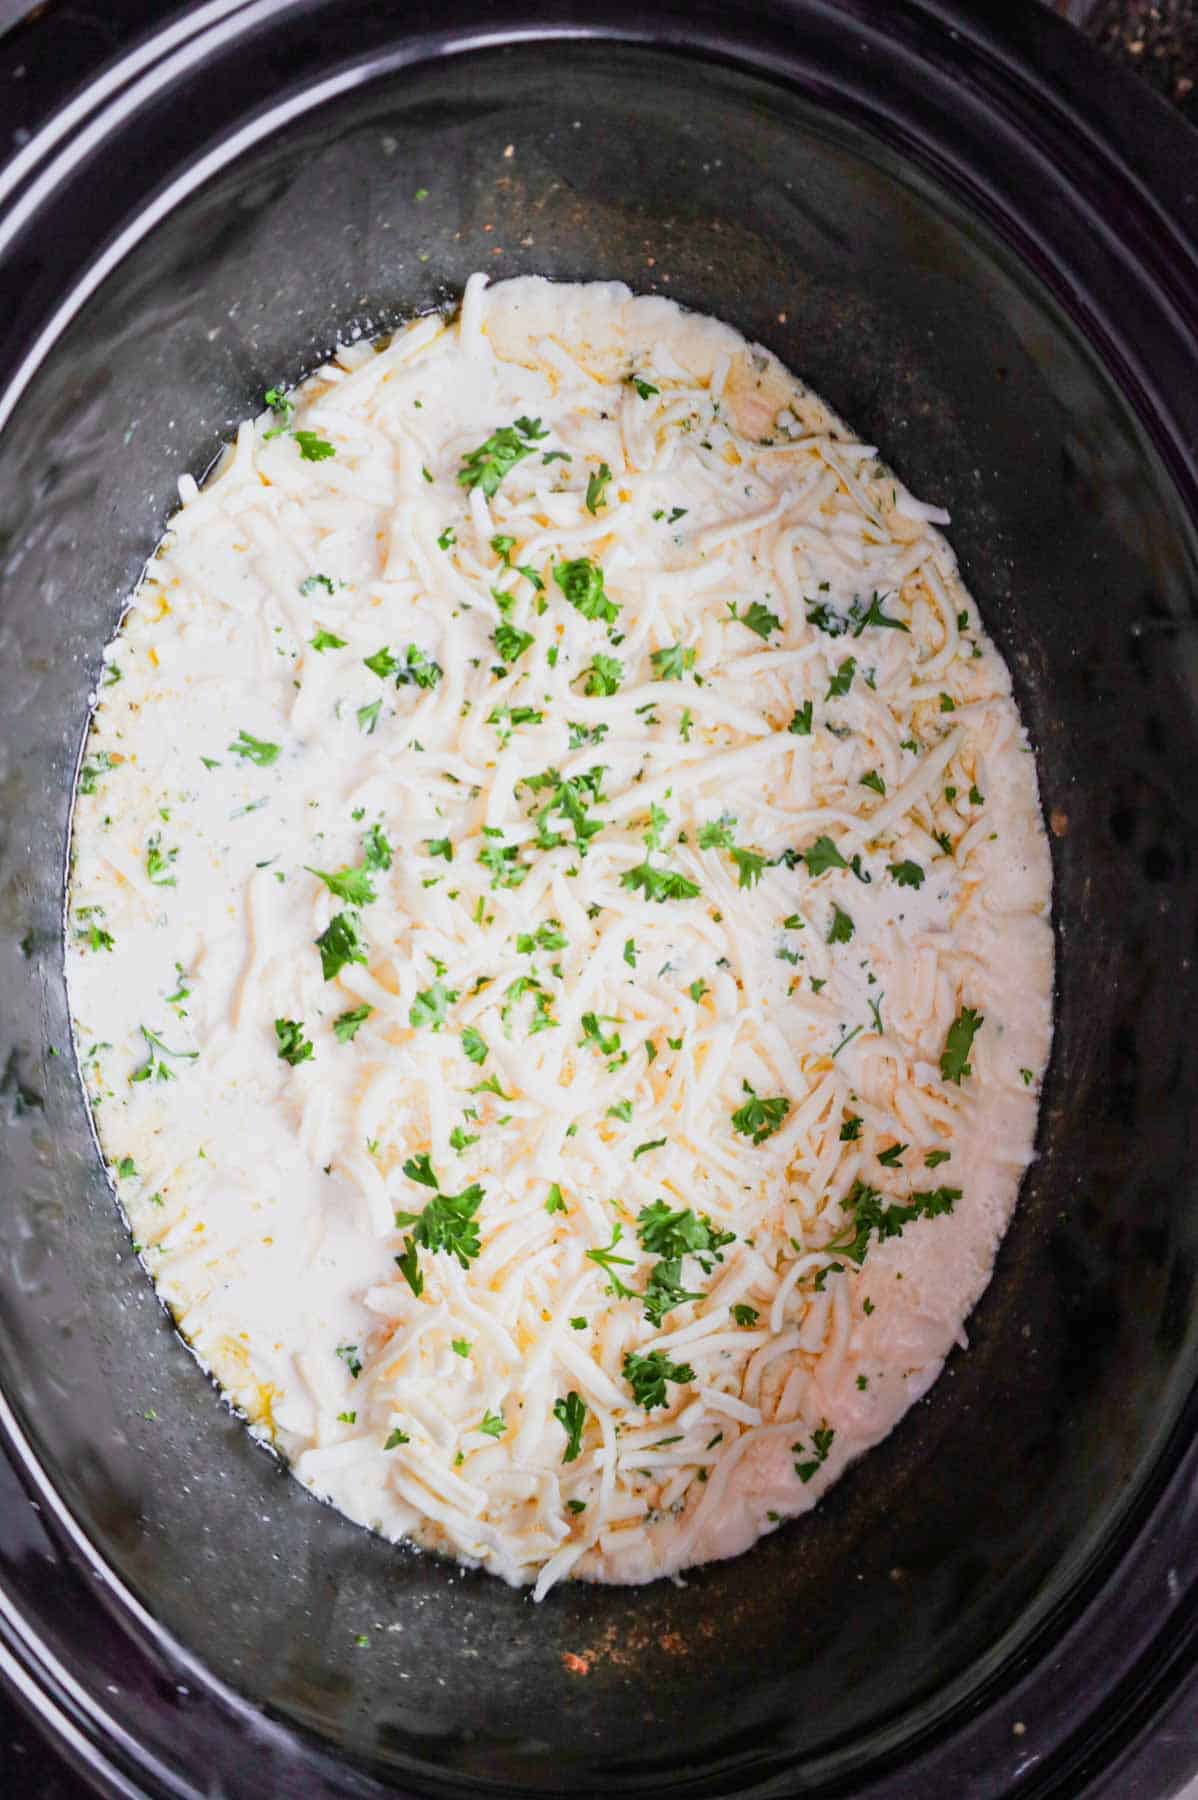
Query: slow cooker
x: 924, y: 211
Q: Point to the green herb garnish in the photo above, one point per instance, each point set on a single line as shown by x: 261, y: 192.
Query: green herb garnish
x: 571, y: 1415
x: 760, y: 1118
x: 340, y: 943
x: 647, y: 1374
x: 294, y: 1047
x: 954, y: 1059
x: 347, y: 1024
x: 255, y: 750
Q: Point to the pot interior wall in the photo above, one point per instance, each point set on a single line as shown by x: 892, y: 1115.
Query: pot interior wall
x: 945, y: 1545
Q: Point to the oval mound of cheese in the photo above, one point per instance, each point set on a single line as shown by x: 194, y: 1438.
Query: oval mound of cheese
x: 559, y: 935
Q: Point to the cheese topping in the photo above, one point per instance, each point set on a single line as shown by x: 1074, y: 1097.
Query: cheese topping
x: 559, y: 935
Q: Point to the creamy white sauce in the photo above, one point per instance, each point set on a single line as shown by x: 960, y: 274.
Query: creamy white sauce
x: 263, y: 1193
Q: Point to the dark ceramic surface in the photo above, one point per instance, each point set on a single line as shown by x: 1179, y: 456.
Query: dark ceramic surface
x: 874, y: 1634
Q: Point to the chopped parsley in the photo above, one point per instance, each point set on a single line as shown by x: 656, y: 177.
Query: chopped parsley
x: 294, y: 1047
x: 507, y: 719
x: 417, y: 669
x: 665, y: 1291
x: 597, y: 488
x: 873, y: 780
x: 821, y: 1443
x: 835, y: 624
x: 327, y: 640
x: 431, y: 1006
x: 717, y: 833
x: 672, y: 662
x: 493, y: 1425
x: 581, y: 581
x: 349, y: 1356
x: 800, y: 724
x: 154, y: 1069
x: 474, y: 1045
x: 510, y: 643
x: 873, y: 1217
x: 873, y: 615
x: 503, y: 862
x: 92, y: 769
x: 589, y: 734
x: 645, y: 389
x: 680, y: 1233
x: 497, y: 455
x: 647, y: 1373
x: 606, y: 1259
x: 447, y: 1223
x: 745, y: 1315
x: 759, y: 1118
x: 907, y: 873
x: 312, y: 447
x: 255, y: 750
x: 159, y: 862
x: 340, y: 943
x: 842, y: 681
x: 352, y: 885
x: 414, y: 668
x: 954, y: 1059
x: 757, y: 618
x: 822, y: 856
x: 840, y: 931
x: 281, y: 405
x: 603, y: 677
x: 547, y: 936
x: 572, y: 799
x: 347, y: 1024
x: 396, y: 1438
x: 571, y: 1415
x: 376, y: 852
x: 750, y: 866
x: 659, y: 884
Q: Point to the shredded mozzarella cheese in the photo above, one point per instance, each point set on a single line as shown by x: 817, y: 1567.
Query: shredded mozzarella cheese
x: 551, y: 821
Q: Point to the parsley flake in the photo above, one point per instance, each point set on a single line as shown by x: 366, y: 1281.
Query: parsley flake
x: 255, y: 750
x: 954, y: 1059
x: 347, y: 1024
x: 647, y: 1374
x: 571, y: 1415
x: 294, y: 1047
x: 760, y: 1118
x: 581, y: 581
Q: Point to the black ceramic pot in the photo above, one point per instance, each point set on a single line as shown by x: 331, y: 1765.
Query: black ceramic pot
x: 939, y: 238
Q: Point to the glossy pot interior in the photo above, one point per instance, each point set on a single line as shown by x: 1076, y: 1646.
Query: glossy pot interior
x: 823, y: 1654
